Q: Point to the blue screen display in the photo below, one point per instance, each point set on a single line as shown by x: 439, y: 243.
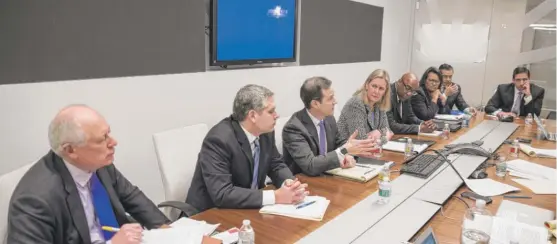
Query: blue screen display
x: 429, y: 240
x: 255, y: 29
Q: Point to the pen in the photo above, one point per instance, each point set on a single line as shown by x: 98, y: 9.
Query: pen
x: 305, y: 204
x: 514, y: 196
x: 111, y: 229
x: 369, y: 171
x: 363, y: 166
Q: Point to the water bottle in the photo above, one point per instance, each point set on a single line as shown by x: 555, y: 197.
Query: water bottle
x: 384, y: 190
x: 501, y: 167
x: 476, y: 225
x: 529, y: 120
x: 246, y: 234
x: 465, y: 121
x: 385, y: 172
x: 446, y: 132
x: 539, y: 134
x: 408, y: 148
x: 514, y: 149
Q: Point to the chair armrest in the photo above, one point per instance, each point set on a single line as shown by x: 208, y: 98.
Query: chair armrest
x: 185, y: 208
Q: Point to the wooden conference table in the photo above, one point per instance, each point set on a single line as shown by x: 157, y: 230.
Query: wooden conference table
x: 343, y: 194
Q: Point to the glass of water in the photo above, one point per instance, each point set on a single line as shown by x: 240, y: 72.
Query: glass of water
x: 378, y: 150
x: 501, y: 166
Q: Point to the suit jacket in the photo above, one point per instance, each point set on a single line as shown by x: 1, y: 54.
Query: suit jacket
x: 408, y: 123
x: 46, y: 208
x: 452, y: 100
x: 301, y: 145
x: 224, y: 169
x: 504, y: 99
x: 356, y: 115
x: 423, y: 107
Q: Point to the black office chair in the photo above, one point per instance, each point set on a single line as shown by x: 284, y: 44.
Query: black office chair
x: 551, y: 115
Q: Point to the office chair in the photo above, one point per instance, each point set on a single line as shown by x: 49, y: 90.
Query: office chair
x: 8, y: 182
x: 551, y: 115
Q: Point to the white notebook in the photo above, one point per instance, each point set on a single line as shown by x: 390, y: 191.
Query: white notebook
x: 314, y: 211
x: 435, y: 133
x: 174, y: 235
x: 361, y: 173
x: 399, y: 146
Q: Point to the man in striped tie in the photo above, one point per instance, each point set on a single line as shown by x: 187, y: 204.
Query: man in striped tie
x: 73, y: 193
x: 311, y: 142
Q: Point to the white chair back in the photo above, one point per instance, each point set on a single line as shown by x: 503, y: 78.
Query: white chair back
x: 177, y: 151
x: 278, y: 132
x: 8, y: 183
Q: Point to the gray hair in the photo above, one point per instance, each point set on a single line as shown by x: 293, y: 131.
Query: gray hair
x: 250, y: 97
x: 312, y: 89
x: 65, y: 129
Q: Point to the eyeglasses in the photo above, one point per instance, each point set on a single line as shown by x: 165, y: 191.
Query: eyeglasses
x: 409, y: 89
x: 434, y: 81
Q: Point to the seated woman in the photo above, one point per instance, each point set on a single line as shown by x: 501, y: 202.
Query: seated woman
x: 366, y: 111
x: 428, y: 99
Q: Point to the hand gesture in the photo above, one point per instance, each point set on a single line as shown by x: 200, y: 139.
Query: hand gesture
x: 348, y: 162
x: 362, y: 148
x: 451, y: 90
x: 128, y: 234
x: 291, y: 192
x: 526, y: 89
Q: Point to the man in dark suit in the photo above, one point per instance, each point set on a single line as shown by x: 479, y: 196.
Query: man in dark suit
x: 401, y: 117
x: 75, y: 189
x: 518, y: 98
x: 236, y: 155
x: 452, y: 92
x: 311, y: 141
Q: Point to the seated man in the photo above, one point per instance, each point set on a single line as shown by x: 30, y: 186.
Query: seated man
x: 452, y: 92
x: 236, y: 155
x: 311, y: 141
x: 75, y: 189
x: 401, y: 117
x: 518, y: 98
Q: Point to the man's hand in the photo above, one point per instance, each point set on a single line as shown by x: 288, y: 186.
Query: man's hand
x: 427, y: 127
x: 360, y: 148
x: 526, y: 89
x: 128, y: 234
x: 293, y: 191
x: 472, y: 111
x: 348, y: 162
x: 501, y: 115
x: 374, y: 135
x: 389, y: 135
x: 451, y: 90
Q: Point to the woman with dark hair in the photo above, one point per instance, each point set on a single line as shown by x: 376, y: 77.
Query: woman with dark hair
x: 428, y: 99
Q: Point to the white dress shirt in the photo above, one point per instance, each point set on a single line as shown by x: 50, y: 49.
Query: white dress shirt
x: 316, y: 124
x: 83, y: 185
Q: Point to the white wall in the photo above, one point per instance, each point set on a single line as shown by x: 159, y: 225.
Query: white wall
x: 137, y: 107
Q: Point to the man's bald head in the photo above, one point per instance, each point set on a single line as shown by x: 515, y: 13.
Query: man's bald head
x: 407, y: 85
x: 411, y: 80
x: 67, y: 126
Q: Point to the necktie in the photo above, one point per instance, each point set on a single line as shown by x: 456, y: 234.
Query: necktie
x: 103, y: 207
x: 322, y: 138
x: 516, y: 105
x: 400, y: 108
x: 254, y: 181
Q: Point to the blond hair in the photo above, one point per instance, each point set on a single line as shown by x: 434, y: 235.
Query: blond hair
x: 385, y: 102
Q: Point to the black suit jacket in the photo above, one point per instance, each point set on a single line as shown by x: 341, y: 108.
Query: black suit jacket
x: 504, y: 99
x: 452, y: 100
x: 224, y: 169
x: 46, y: 208
x: 301, y: 145
x: 408, y: 123
x: 423, y: 107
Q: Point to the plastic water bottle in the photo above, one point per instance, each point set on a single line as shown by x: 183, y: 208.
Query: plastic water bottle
x: 529, y: 120
x: 246, y: 234
x: 384, y: 173
x: 501, y: 167
x: 476, y: 226
x: 408, y: 148
x: 385, y: 190
x: 514, y: 149
x: 446, y: 132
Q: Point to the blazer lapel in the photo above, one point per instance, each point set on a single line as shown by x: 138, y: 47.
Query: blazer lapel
x: 244, y: 144
x: 308, y: 123
x: 330, y: 135
x: 117, y: 207
x: 74, y: 201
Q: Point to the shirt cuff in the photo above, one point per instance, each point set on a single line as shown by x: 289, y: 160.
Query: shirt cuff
x: 420, y: 127
x: 527, y: 99
x: 109, y: 242
x: 340, y: 156
x: 268, y: 197
x: 496, y: 112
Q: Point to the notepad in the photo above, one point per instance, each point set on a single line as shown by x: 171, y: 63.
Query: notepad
x: 361, y: 173
x: 536, y: 152
x: 399, y: 146
x: 432, y: 134
x: 208, y: 229
x: 314, y: 211
x: 506, y: 230
x: 174, y: 235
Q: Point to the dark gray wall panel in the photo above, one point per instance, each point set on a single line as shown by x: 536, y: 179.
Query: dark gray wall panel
x: 339, y: 31
x: 63, y: 39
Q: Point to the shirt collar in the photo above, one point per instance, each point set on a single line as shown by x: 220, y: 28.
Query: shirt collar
x: 250, y: 136
x: 313, y: 119
x: 81, y: 177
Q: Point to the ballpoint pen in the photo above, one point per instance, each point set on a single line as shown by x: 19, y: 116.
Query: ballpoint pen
x: 111, y: 229
x: 515, y: 196
x: 305, y: 204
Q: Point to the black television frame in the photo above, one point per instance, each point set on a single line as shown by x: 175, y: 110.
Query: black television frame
x: 213, y: 43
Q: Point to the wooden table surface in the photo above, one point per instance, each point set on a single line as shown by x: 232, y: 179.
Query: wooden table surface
x: 343, y: 194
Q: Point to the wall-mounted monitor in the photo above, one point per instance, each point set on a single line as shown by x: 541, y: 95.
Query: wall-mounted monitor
x: 253, y: 31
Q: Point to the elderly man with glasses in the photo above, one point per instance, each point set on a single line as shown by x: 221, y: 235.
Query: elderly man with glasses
x: 401, y: 117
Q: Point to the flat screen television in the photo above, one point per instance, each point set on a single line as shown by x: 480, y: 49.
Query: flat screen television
x: 253, y: 31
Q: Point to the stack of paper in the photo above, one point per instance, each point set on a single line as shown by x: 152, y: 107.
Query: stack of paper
x: 433, y: 134
x: 538, y: 178
x: 511, y: 231
x: 449, y: 117
x: 361, y: 173
x: 314, y: 211
x: 208, y: 229
x: 174, y: 235
x: 536, y: 152
x: 399, y: 146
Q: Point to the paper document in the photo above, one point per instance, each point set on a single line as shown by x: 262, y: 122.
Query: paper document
x: 509, y: 231
x: 228, y: 237
x: 433, y: 134
x: 399, y: 146
x: 174, y: 235
x: 536, y: 152
x: 362, y: 173
x: 208, y: 229
x: 314, y: 211
x: 540, y: 187
x: 489, y: 187
x: 449, y: 116
x: 524, y: 169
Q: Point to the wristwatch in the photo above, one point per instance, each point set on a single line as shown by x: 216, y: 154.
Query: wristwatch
x: 344, y: 151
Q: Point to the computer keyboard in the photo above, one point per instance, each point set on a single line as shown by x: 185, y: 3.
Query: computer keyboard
x: 423, y: 165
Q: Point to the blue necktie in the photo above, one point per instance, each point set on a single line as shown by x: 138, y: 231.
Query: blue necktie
x: 322, y: 138
x: 255, y: 179
x: 103, y: 207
